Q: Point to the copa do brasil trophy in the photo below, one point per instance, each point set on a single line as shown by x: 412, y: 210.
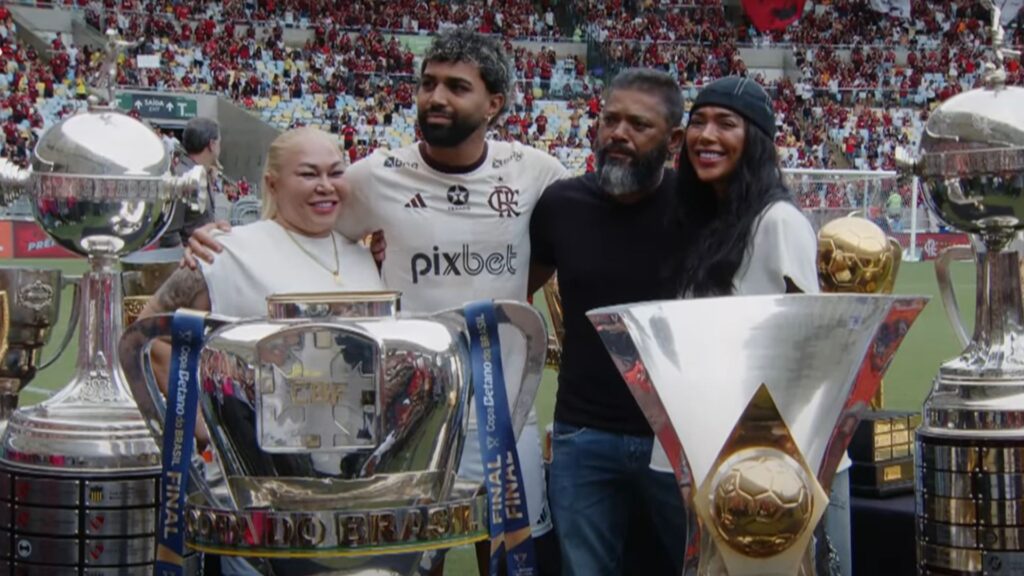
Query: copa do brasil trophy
x: 79, y: 471
x: 339, y: 425
x: 970, y: 469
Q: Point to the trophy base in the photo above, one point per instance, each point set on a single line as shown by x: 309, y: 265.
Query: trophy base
x: 96, y: 525
x: 883, y: 435
x: 381, y: 538
x: 88, y: 427
x: 79, y: 485
x: 970, y: 504
x: 882, y: 479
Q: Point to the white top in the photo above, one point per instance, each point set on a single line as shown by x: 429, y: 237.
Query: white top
x: 452, y: 238
x: 783, y: 245
x: 261, y: 259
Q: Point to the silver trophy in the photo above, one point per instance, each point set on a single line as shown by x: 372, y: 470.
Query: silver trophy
x: 970, y: 447
x: 78, y: 487
x: 755, y: 400
x: 31, y: 307
x: 338, y: 425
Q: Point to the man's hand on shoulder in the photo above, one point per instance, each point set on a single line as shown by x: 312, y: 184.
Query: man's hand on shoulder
x: 378, y: 247
x: 202, y: 245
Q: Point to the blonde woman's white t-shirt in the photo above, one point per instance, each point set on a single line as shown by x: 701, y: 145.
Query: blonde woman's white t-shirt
x: 262, y: 258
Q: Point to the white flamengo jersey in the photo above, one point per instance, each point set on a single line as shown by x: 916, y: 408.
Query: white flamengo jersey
x: 451, y: 237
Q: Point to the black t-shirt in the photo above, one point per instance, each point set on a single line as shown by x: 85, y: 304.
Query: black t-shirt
x: 605, y: 253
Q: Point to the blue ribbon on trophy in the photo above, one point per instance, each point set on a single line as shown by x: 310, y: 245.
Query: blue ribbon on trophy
x: 508, y: 515
x: 179, y: 429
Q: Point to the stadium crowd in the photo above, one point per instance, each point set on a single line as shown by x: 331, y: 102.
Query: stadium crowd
x: 863, y: 82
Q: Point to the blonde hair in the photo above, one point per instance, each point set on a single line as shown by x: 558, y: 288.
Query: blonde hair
x: 279, y: 149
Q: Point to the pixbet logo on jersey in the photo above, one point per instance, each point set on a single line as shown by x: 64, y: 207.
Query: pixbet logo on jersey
x: 466, y: 261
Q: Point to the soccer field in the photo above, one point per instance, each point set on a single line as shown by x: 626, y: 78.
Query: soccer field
x: 929, y: 343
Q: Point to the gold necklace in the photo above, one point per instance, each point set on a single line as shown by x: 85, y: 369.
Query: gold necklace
x: 337, y: 263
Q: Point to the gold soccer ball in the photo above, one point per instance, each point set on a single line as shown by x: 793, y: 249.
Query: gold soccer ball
x: 854, y: 255
x: 761, y: 505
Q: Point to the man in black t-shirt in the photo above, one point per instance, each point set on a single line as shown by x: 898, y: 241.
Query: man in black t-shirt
x: 608, y: 236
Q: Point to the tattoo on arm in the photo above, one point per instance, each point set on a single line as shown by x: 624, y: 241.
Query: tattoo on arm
x: 180, y: 290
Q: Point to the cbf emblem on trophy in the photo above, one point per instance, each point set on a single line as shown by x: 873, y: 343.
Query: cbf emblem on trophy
x: 755, y: 400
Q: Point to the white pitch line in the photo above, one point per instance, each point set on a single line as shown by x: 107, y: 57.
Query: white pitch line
x: 37, y: 392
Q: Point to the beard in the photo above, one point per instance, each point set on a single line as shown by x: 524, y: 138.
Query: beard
x: 449, y: 136
x: 623, y: 177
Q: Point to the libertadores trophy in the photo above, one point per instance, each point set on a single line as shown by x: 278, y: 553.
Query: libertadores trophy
x: 31, y: 308
x: 755, y: 399
x: 339, y: 425
x: 79, y: 472
x: 970, y: 447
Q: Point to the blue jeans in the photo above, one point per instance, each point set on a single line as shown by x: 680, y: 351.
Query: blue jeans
x: 597, y: 479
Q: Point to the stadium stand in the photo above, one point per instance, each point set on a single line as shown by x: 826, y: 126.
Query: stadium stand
x: 862, y: 83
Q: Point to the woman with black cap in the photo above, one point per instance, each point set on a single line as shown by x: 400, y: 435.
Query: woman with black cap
x: 743, y: 233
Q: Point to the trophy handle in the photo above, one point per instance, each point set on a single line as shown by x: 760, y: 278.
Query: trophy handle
x: 530, y: 324
x: 528, y: 321
x: 134, y: 349
x: 553, y: 297
x: 945, y: 280
x: 76, y: 310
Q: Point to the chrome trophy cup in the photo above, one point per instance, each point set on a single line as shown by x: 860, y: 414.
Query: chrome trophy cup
x: 78, y: 486
x: 339, y: 426
x: 755, y: 400
x: 970, y: 468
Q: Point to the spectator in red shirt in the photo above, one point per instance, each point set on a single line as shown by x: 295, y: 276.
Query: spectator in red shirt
x: 542, y: 124
x: 348, y: 135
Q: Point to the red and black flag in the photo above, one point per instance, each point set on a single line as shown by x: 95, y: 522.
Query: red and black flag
x: 773, y: 14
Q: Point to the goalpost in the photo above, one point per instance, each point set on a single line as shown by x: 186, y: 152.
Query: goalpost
x: 882, y: 196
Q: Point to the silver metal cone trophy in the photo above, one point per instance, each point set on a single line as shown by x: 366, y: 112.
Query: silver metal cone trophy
x: 970, y: 447
x: 339, y: 426
x: 755, y: 400
x: 78, y: 472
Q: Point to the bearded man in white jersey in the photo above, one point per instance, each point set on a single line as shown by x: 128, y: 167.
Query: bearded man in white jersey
x: 455, y: 210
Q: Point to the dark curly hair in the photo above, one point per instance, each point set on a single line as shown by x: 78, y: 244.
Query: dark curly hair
x: 464, y: 45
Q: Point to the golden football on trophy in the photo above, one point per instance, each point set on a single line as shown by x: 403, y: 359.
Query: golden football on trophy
x: 761, y: 504
x: 854, y: 255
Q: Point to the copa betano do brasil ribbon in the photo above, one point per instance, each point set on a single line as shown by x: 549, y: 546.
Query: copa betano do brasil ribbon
x: 511, y: 538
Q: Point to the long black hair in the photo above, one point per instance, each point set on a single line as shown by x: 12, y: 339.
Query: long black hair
x: 715, y: 232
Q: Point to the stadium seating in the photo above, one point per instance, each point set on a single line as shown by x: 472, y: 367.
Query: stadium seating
x: 863, y: 82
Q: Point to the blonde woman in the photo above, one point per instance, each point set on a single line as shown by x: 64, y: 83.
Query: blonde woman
x: 293, y: 248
